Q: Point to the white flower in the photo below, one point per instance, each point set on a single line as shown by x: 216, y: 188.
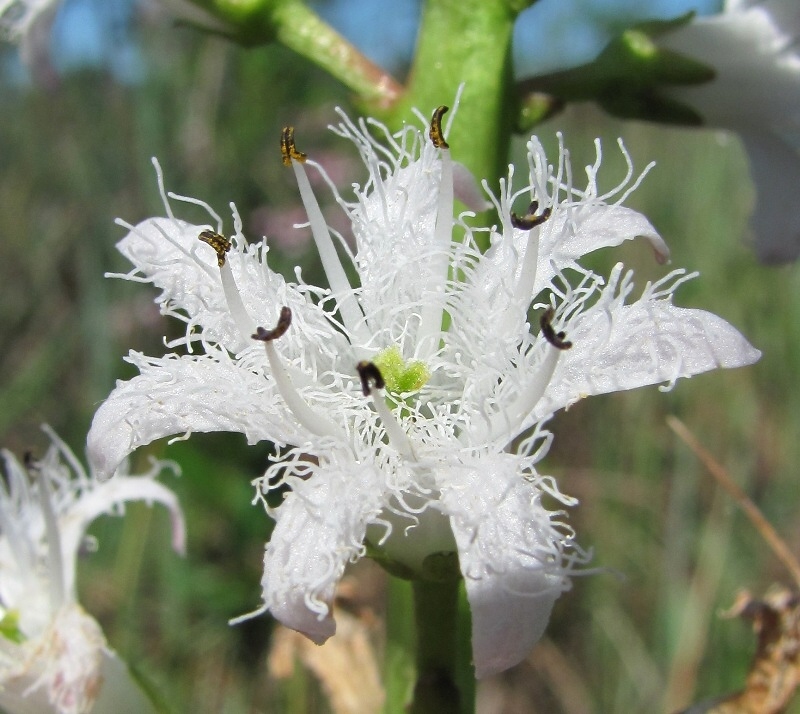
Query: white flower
x: 753, y: 48
x: 397, y: 434
x: 53, y: 655
x: 29, y: 24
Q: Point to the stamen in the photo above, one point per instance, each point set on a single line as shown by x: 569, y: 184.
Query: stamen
x: 369, y: 372
x: 372, y: 379
x: 554, y: 338
x: 288, y: 149
x: 435, y: 133
x: 219, y: 243
x: 431, y: 318
x: 284, y: 321
x: 236, y: 307
x: 510, y: 420
x: 311, y: 420
x: 349, y: 308
x: 530, y: 220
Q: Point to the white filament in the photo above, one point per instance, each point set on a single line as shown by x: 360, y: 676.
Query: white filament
x: 309, y: 419
x: 241, y: 317
x: 337, y: 278
x: 397, y: 437
x: 431, y: 322
x: 528, y: 398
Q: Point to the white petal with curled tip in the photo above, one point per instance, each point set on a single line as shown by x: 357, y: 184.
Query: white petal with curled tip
x: 569, y: 234
x: 488, y: 313
x: 511, y: 554
x: 579, y: 230
x: 319, y: 528
x: 102, y: 499
x: 178, y: 395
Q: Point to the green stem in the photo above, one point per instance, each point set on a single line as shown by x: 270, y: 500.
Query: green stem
x: 467, y: 42
x: 436, y: 616
x: 292, y: 23
x: 302, y: 30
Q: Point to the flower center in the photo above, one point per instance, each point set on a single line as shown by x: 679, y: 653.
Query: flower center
x: 373, y: 381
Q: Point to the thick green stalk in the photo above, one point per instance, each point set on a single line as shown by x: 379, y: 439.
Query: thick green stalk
x: 436, y: 617
x: 467, y: 42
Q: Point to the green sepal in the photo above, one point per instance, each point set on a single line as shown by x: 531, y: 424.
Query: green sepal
x: 391, y: 566
x: 436, y: 568
x: 627, y: 76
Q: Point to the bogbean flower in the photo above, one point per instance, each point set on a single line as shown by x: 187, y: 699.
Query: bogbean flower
x: 407, y: 397
x: 753, y: 48
x: 53, y: 655
x: 29, y: 24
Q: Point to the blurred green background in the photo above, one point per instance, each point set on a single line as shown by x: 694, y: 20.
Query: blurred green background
x: 76, y: 154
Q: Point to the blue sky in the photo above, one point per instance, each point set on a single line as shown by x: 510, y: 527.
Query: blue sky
x: 549, y: 35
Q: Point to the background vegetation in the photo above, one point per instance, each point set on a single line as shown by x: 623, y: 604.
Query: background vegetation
x: 76, y: 155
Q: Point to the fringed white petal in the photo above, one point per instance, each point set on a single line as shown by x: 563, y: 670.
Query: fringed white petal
x: 319, y: 528
x: 178, y: 395
x: 106, y: 498
x: 648, y: 342
x: 167, y: 253
x: 514, y: 555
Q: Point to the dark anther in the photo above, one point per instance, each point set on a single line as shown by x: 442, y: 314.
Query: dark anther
x: 369, y: 373
x: 530, y: 219
x: 278, y: 331
x: 288, y: 149
x: 219, y: 243
x: 554, y: 338
x: 32, y: 464
x: 436, y: 133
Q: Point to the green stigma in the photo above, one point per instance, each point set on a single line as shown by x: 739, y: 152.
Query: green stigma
x: 400, y: 376
x: 9, y: 627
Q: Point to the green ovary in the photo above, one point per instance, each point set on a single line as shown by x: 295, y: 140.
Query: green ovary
x: 400, y: 376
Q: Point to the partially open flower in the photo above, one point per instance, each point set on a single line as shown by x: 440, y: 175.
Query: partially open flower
x: 29, y: 24
x: 753, y: 49
x: 53, y: 655
x: 408, y: 407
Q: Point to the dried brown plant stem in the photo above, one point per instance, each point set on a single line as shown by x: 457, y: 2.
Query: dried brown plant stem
x: 761, y: 524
